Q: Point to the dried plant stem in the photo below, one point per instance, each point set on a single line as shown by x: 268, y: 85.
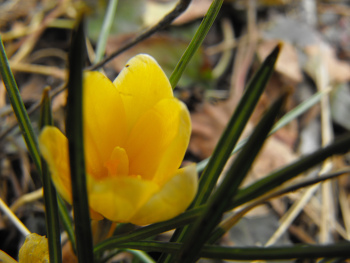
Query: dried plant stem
x: 32, y: 109
x: 229, y: 35
x: 345, y: 209
x: 291, y: 214
x: 14, y: 219
x: 328, y: 212
x: 39, y: 69
x: 27, y: 198
x: 244, y: 56
x: 312, y: 209
x: 41, y: 24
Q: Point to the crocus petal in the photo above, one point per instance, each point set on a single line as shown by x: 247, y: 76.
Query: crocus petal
x: 172, y: 199
x: 104, y: 121
x: 141, y: 84
x: 34, y: 249
x: 172, y: 157
x: 54, y: 148
x: 119, y: 198
x: 152, y: 135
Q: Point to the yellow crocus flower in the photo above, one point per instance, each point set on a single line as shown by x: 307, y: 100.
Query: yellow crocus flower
x: 135, y: 137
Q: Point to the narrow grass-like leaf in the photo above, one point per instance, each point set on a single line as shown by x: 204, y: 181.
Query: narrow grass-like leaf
x: 332, y: 260
x: 234, y: 128
x: 50, y: 196
x: 229, y: 222
x: 105, y: 30
x: 147, y: 231
x: 66, y: 221
x: 18, y: 108
x: 229, y: 138
x: 141, y: 255
x: 340, y: 249
x: 219, y: 201
x: 74, y: 131
x: 283, y: 252
x: 196, y: 42
x: 285, y: 119
x: 342, y: 145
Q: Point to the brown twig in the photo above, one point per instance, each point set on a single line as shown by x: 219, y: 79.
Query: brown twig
x: 32, y: 109
x: 179, y: 9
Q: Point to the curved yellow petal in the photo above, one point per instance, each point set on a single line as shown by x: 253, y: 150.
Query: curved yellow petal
x: 141, y: 84
x: 104, y: 121
x: 171, y: 200
x: 34, y: 249
x: 154, y: 133
x: 54, y: 148
x: 172, y: 157
x: 119, y: 198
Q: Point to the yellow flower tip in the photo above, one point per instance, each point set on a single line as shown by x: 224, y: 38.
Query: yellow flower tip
x: 135, y: 137
x: 34, y: 249
x: 118, y: 164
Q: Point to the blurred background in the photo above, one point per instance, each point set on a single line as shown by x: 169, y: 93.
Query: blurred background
x: 315, y: 57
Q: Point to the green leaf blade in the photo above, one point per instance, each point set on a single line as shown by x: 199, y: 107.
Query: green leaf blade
x: 234, y: 128
x: 50, y: 196
x: 230, y: 137
x: 342, y: 145
x: 74, y: 131
x: 340, y: 250
x: 196, y: 42
x: 219, y: 201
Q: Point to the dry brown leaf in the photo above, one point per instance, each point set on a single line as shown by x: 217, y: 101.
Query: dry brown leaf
x: 208, y: 123
x: 68, y: 255
x: 32, y: 90
x: 275, y: 154
x: 59, y: 101
x: 197, y: 9
x: 2, y: 95
x: 338, y: 71
x: 155, y: 11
